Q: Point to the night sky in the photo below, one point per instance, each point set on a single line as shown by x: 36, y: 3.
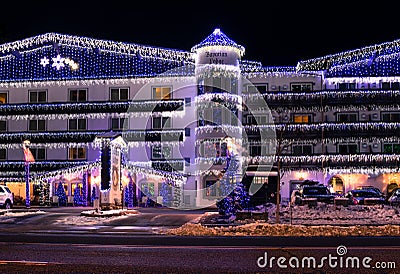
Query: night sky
x: 276, y: 34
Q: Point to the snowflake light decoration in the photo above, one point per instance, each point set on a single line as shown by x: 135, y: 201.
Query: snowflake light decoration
x: 58, y: 62
x: 44, y: 61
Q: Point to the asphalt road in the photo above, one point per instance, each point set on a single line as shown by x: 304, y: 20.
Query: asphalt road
x: 37, y: 244
x: 99, y: 258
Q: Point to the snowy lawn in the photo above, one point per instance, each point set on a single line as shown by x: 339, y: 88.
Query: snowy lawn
x: 96, y: 217
x: 322, y: 220
x: 8, y: 216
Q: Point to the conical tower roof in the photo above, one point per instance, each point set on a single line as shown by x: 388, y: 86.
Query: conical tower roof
x: 218, y: 38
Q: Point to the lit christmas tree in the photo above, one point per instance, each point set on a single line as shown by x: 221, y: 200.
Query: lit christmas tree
x: 60, y: 192
x: 165, y: 193
x: 235, y: 195
x: 131, y: 194
x: 84, y: 190
x: 77, y: 196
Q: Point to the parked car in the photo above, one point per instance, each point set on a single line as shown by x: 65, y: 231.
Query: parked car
x: 365, y: 196
x: 394, y: 198
x: 373, y: 188
x: 320, y: 192
x: 6, y: 197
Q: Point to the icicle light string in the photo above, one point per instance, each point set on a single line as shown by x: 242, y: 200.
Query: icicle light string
x: 325, y: 95
x: 336, y: 126
x: 314, y: 140
x: 59, y: 110
x: 319, y: 159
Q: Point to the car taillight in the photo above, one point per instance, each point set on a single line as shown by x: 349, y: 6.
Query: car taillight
x: 355, y: 201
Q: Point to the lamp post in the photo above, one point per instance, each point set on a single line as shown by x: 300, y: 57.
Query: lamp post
x: 25, y: 146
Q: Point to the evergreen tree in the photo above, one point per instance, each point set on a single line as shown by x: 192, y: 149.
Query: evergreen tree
x: 60, y: 192
x: 77, y: 196
x: 235, y: 195
x: 84, y: 190
x: 165, y: 194
x: 131, y: 194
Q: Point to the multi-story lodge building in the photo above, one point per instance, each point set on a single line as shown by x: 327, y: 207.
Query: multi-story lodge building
x: 183, y: 114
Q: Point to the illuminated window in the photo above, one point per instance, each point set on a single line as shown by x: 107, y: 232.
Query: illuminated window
x: 260, y: 180
x: 162, y: 93
x: 37, y: 96
x: 77, y: 124
x: 37, y: 125
x: 3, y: 98
x: 78, y: 95
x: 119, y: 94
x: 77, y: 153
x: 302, y: 118
x: 391, y: 148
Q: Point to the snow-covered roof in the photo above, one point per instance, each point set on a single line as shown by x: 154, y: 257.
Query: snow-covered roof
x: 375, y: 60
x: 54, y: 56
x: 218, y: 38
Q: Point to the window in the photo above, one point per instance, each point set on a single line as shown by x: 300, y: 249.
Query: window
x: 188, y: 101
x: 37, y: 96
x: 161, y: 152
x: 301, y: 87
x: 302, y: 118
x: 213, y: 149
x: 3, y: 125
x: 77, y: 153
x: 161, y: 122
x: 78, y: 95
x: 395, y: 85
x: 119, y: 123
x: 347, y: 148
x: 302, y: 149
x: 210, y: 188
x: 347, y: 117
x: 187, y: 161
x: 391, y: 116
x: 38, y: 153
x: 391, y: 148
x: 257, y: 88
x: 162, y: 93
x: 119, y: 94
x: 77, y: 124
x: 37, y: 125
x: 3, y: 154
x: 187, y: 131
x: 385, y: 85
x: 347, y: 86
x: 258, y: 119
x: 3, y: 97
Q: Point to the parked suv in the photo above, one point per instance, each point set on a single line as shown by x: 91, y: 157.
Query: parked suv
x: 320, y: 192
x: 6, y: 197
